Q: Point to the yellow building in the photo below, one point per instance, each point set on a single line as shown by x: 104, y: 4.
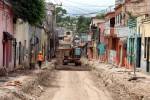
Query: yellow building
x: 144, y: 29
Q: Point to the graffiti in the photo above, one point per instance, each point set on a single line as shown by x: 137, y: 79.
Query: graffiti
x: 112, y: 56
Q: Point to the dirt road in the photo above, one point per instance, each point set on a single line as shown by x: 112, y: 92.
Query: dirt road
x: 74, y: 85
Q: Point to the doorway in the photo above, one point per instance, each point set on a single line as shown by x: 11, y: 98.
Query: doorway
x: 138, y: 53
x: 147, y: 43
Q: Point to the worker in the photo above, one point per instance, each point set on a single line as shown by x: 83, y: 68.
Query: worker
x: 40, y: 59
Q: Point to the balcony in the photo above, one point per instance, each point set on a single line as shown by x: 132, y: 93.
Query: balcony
x: 109, y: 31
x: 122, y: 31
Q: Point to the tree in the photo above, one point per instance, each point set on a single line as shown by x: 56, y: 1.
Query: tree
x: 100, y: 16
x: 83, y: 24
x: 60, y: 12
x: 32, y: 11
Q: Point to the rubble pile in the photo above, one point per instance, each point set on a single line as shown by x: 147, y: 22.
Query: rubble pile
x: 117, y: 81
x: 28, y: 87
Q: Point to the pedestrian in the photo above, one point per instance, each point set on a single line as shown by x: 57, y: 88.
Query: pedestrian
x: 40, y: 59
x: 101, y: 49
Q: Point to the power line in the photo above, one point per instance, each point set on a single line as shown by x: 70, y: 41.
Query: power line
x: 90, y: 6
x: 85, y: 13
x: 78, y: 10
x: 81, y: 9
x: 85, y: 10
x: 71, y: 4
x: 89, y: 13
x: 85, y: 4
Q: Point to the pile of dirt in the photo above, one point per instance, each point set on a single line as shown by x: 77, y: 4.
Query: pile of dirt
x: 28, y: 87
x: 118, y: 82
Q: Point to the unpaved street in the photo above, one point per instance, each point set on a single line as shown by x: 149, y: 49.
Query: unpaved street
x: 74, y: 85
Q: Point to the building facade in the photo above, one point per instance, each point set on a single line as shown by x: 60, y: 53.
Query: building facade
x: 21, y: 35
x: 6, y: 36
x: 110, y: 37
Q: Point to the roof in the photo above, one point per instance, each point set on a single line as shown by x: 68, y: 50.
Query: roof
x: 119, y: 6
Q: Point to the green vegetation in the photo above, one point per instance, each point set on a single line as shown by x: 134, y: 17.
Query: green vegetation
x: 65, y: 21
x: 32, y: 11
x: 83, y: 24
x: 100, y: 16
x: 60, y: 13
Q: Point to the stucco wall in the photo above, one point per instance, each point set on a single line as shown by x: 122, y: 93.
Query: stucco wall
x: 1, y: 37
x: 102, y: 28
x: 22, y: 35
x: 21, y: 32
x: 6, y: 24
x: 146, y: 29
x: 145, y: 32
x: 143, y: 61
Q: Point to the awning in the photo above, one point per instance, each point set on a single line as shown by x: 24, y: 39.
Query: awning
x: 7, y: 36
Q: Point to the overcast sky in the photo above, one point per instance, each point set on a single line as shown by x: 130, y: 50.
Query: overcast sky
x: 83, y: 7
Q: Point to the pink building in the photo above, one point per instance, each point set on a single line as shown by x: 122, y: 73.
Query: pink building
x: 6, y: 35
x: 101, y: 27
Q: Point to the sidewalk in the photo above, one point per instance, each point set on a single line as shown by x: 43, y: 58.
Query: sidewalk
x: 19, y: 85
x: 119, y: 78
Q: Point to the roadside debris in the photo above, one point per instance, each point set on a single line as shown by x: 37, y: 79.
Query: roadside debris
x: 41, y: 88
x: 13, y: 83
x: 121, y: 82
x: 23, y: 96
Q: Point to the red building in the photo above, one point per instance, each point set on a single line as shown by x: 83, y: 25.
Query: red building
x: 102, y: 39
x: 111, y: 38
x: 121, y: 31
x: 6, y: 35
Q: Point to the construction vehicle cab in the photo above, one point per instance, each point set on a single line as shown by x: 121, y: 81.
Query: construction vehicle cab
x: 72, y: 55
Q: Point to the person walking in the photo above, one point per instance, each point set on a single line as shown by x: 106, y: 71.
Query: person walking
x: 40, y: 59
x: 101, y: 49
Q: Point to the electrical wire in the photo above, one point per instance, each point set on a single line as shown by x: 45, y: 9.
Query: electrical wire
x: 76, y: 6
x: 80, y: 9
x: 77, y: 10
x: 85, y: 4
x: 85, y: 12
